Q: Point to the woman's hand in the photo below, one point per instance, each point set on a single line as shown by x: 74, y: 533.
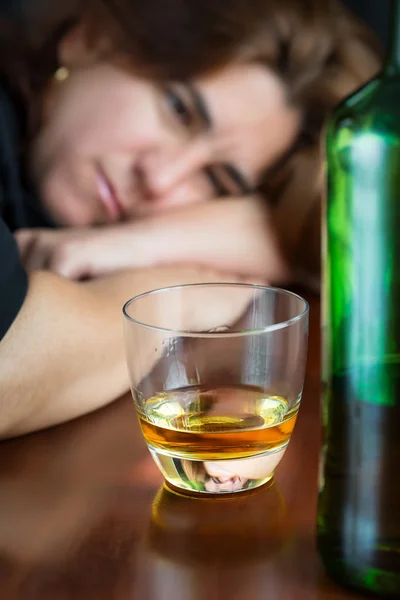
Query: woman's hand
x: 83, y: 253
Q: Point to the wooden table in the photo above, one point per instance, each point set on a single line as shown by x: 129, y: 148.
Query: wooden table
x: 84, y: 515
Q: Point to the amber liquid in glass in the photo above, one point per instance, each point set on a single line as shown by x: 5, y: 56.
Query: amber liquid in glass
x: 217, y: 440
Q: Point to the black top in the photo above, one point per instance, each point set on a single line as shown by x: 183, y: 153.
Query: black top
x: 18, y: 208
x: 13, y: 280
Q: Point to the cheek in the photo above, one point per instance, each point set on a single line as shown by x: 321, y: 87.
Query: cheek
x: 264, y: 142
x: 95, y: 128
x: 281, y: 131
x: 117, y: 126
x: 66, y: 194
x: 99, y: 110
x: 98, y: 136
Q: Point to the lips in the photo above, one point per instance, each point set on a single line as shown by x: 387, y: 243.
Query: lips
x: 108, y: 197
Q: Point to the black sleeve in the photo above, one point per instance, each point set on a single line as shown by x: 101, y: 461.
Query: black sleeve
x: 13, y: 280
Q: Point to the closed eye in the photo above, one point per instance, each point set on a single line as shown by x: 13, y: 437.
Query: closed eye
x: 226, y: 180
x: 217, y: 186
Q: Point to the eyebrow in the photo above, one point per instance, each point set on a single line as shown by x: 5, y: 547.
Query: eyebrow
x: 203, y: 112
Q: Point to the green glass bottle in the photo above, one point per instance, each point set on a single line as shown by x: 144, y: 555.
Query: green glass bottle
x: 359, y: 506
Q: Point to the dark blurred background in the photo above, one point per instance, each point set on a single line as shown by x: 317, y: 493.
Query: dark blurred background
x: 374, y: 12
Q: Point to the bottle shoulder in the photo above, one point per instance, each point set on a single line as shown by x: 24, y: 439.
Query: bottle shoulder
x: 374, y: 107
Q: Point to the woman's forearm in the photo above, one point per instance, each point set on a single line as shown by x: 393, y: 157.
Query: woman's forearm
x: 234, y: 235
x: 231, y: 235
x: 64, y: 355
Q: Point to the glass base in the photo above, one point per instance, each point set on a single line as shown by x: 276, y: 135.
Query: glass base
x: 218, y: 477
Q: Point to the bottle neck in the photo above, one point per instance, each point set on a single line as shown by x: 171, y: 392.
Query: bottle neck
x: 393, y: 59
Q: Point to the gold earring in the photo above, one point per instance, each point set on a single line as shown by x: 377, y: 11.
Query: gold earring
x: 61, y: 74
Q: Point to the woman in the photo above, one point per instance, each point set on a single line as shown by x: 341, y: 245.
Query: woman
x: 250, y: 127
x: 110, y: 138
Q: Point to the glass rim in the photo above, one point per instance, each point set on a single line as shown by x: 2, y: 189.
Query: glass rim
x: 218, y: 334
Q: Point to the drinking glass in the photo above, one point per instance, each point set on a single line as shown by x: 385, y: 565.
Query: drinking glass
x: 217, y: 373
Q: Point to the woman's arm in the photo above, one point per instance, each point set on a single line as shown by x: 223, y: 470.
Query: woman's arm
x: 233, y: 235
x: 64, y: 354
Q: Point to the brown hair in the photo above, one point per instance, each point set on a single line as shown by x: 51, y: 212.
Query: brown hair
x: 315, y: 46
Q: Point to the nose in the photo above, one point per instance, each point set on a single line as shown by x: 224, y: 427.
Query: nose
x: 161, y: 171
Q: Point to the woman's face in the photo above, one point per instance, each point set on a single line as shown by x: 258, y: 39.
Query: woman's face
x: 114, y: 146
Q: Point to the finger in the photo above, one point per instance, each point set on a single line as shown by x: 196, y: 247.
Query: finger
x: 25, y: 239
x: 35, y: 246
x: 68, y: 264
x: 36, y: 256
